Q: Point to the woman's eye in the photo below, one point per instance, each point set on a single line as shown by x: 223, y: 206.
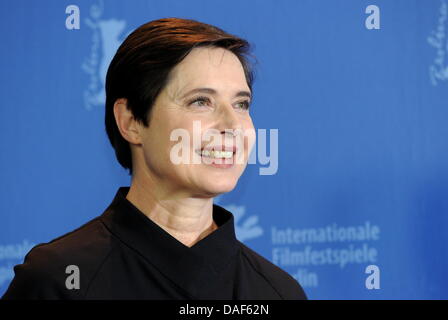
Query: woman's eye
x: 204, y: 102
x: 244, y: 105
x: 200, y: 101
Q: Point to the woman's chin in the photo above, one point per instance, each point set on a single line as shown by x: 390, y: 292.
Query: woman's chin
x: 219, y: 187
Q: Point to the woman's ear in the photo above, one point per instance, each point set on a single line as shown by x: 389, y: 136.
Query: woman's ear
x: 126, y: 123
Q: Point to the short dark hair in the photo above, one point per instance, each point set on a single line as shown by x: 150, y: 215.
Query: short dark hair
x: 142, y: 64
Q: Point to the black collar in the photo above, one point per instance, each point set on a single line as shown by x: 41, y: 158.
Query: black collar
x: 189, y: 268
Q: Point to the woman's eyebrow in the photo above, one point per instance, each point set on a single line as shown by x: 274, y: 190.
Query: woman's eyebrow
x: 242, y: 93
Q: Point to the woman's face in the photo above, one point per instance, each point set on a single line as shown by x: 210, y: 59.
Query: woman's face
x: 183, y: 102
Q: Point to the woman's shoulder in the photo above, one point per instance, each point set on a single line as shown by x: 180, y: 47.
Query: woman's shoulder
x: 84, y: 242
x: 48, y: 266
x: 285, y: 285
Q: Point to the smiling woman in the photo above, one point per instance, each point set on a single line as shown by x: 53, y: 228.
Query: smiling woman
x: 163, y: 237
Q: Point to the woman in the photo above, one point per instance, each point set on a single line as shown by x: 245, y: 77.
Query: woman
x: 163, y: 238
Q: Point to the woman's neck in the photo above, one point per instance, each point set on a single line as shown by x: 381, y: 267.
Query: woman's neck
x: 187, y: 219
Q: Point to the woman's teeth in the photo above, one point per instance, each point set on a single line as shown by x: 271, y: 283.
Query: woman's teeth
x: 217, y: 154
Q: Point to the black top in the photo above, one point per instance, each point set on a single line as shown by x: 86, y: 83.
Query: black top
x: 123, y: 254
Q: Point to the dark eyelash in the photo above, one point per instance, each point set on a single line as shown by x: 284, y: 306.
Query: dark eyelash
x: 200, y: 98
x: 246, y: 104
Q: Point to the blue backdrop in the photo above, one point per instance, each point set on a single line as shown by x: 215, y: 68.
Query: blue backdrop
x: 361, y: 114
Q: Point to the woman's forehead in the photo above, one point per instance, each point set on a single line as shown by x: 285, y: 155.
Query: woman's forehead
x: 214, y: 68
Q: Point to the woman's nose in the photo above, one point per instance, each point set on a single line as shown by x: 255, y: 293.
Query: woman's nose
x: 228, y: 119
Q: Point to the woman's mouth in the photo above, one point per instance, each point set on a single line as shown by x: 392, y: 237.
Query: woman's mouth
x: 217, y: 158
x: 217, y: 154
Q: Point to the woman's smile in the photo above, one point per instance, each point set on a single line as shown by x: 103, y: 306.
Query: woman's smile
x: 224, y: 159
